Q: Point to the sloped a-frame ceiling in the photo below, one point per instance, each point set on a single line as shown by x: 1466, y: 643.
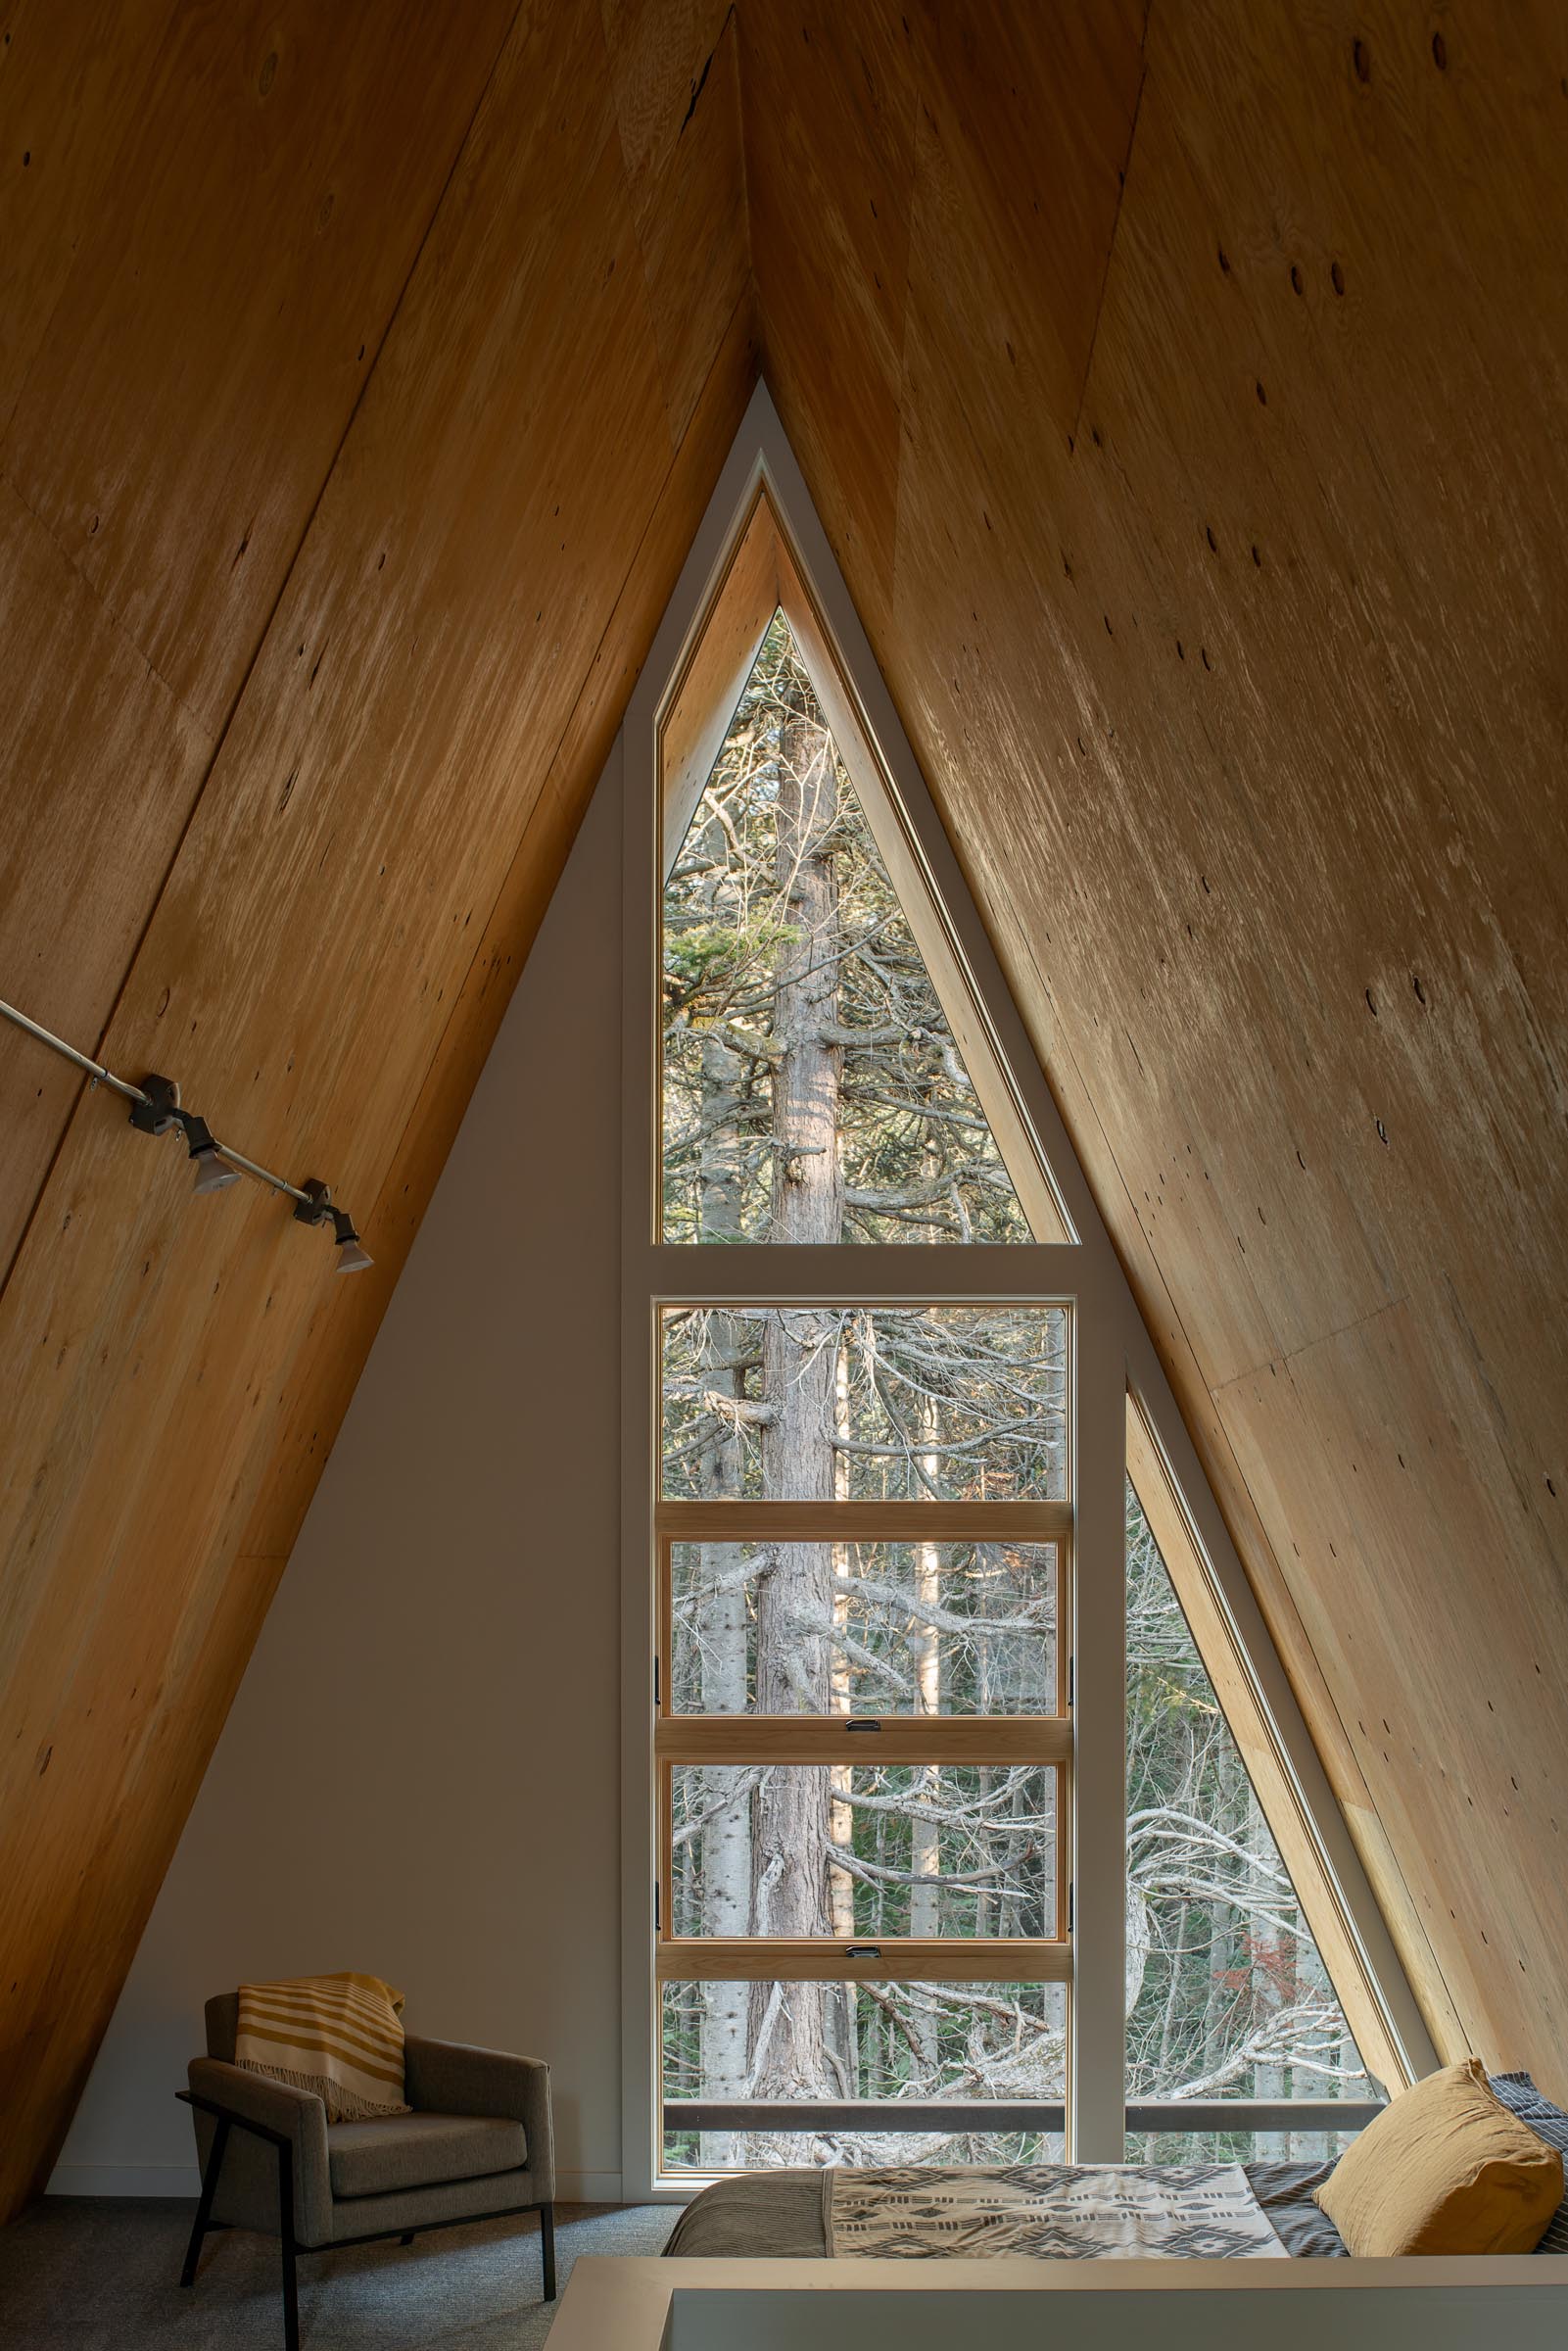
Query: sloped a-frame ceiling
x: 1179, y: 389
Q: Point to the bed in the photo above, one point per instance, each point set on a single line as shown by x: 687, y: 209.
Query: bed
x: 1080, y: 2214
x: 1060, y: 2211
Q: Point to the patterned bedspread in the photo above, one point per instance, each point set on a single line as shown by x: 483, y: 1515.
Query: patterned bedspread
x: 1060, y: 2212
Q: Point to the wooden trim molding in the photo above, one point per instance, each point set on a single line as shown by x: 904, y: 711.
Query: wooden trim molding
x: 895, y: 1959
x: 1043, y: 1739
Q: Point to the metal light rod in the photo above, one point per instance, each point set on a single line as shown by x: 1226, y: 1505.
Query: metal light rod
x: 58, y: 1044
x: 96, y: 1071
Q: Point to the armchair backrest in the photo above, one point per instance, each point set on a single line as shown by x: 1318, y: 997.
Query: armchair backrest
x: 222, y: 2026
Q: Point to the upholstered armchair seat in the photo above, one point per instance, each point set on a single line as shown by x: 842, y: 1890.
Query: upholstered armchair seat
x: 420, y: 2150
x: 479, y: 2141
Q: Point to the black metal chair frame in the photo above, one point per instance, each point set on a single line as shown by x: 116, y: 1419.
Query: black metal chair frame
x: 229, y: 2119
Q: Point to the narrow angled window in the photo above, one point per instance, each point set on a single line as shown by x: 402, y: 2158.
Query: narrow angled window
x: 1228, y: 2000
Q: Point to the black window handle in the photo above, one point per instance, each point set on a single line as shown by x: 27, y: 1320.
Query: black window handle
x: 863, y: 1950
x: 863, y: 1722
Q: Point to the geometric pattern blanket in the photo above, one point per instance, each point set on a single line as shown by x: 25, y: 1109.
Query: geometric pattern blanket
x: 1052, y: 2211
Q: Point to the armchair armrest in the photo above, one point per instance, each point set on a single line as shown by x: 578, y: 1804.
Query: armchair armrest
x: 261, y: 2113
x: 447, y: 2077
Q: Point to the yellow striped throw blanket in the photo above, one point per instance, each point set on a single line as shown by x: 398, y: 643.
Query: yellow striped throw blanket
x: 340, y: 2035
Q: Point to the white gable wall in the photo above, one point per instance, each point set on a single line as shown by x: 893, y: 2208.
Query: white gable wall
x: 419, y: 1776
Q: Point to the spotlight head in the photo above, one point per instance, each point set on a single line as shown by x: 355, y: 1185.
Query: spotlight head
x: 212, y: 1171
x: 352, y: 1258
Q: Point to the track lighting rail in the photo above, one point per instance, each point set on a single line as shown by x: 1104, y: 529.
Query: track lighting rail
x: 156, y: 1108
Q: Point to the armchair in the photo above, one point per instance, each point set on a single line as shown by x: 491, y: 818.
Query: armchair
x: 478, y: 2145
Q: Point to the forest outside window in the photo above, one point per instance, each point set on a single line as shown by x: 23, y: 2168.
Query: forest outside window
x: 914, y: 1898
x: 863, y: 1517
x: 813, y: 1088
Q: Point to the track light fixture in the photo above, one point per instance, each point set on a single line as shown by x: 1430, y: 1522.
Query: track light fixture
x: 315, y: 1208
x: 156, y: 1108
x: 158, y: 1111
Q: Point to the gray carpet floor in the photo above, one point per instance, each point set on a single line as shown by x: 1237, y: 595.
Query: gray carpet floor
x: 100, y: 2273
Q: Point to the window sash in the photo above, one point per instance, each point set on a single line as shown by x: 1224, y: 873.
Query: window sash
x: 1000, y: 1739
x: 1042, y: 1522
x: 827, y: 1740
x: 895, y: 1959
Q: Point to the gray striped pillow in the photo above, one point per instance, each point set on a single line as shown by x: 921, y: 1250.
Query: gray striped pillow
x: 1548, y: 2122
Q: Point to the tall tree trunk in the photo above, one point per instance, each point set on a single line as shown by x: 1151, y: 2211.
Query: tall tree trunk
x: 846, y: 2036
x: 925, y: 1647
x: 800, y: 1365
x: 721, y: 1627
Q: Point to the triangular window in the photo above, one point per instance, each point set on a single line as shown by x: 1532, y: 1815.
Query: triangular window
x: 1227, y: 1995
x: 813, y: 1088
x: 875, y: 1704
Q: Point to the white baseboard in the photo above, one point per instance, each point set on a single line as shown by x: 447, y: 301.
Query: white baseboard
x: 588, y: 2188
x: 184, y: 2179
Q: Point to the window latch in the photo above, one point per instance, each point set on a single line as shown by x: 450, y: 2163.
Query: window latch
x: 863, y: 1950
x: 863, y: 1722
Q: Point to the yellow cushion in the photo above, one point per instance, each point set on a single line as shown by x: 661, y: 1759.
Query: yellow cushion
x: 1444, y: 2169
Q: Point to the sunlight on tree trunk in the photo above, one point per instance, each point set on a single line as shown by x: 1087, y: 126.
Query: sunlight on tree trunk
x: 800, y: 1375
x: 723, y: 1626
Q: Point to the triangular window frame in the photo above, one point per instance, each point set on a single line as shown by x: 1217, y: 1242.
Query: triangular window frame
x: 764, y: 574
x: 722, y: 902
x: 762, y: 548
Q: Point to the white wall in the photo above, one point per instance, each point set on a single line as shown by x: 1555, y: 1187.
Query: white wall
x: 419, y: 1776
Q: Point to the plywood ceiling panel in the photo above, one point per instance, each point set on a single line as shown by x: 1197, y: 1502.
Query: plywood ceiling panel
x: 1181, y: 387
x: 1237, y: 680
x: 676, y: 78
x: 425, y: 703
x: 829, y: 104
x: 68, y: 91
x: 178, y: 421
x: 83, y: 865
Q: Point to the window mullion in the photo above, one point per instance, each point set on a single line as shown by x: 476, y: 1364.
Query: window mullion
x: 1096, y: 1856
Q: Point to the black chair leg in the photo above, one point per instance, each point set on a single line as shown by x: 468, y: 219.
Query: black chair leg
x: 546, y: 2239
x: 291, y: 2297
x: 204, y: 2208
x: 291, y: 2283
